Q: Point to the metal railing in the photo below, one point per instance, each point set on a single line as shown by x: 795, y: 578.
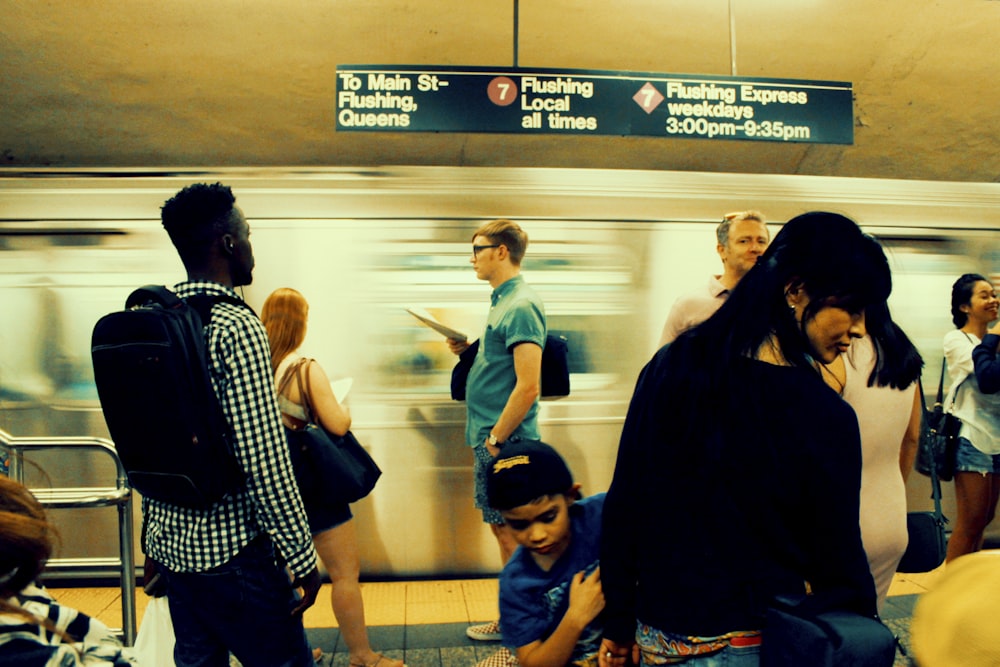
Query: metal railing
x: 119, y: 495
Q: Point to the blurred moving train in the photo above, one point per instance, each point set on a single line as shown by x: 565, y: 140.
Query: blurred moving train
x: 609, y: 252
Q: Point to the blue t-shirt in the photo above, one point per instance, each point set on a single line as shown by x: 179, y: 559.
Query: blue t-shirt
x: 516, y: 316
x: 533, y: 602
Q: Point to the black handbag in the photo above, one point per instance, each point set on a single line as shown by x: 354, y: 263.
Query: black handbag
x: 927, y: 543
x: 328, y: 467
x: 938, y: 437
x: 801, y: 634
x: 555, y: 369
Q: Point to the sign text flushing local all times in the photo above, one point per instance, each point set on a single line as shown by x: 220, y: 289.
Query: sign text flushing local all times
x: 544, y: 101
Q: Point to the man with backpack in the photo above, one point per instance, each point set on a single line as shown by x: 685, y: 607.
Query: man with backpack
x: 234, y: 567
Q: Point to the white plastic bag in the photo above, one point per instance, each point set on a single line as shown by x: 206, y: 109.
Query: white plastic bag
x: 154, y: 644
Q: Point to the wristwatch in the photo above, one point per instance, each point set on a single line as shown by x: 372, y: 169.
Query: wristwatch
x: 492, y: 440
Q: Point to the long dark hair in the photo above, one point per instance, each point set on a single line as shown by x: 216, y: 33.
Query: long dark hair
x: 826, y: 255
x: 898, y: 362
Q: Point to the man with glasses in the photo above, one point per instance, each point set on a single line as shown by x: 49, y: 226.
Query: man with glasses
x: 504, y: 382
x: 742, y: 238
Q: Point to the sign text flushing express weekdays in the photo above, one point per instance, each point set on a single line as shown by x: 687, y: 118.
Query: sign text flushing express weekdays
x: 379, y: 98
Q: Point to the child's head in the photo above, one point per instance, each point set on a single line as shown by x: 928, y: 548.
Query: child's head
x: 526, y: 471
x: 530, y: 485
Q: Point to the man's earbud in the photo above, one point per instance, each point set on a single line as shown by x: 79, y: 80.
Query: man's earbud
x: 229, y: 245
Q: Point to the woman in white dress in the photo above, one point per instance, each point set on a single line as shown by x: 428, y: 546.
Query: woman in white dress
x: 881, y: 385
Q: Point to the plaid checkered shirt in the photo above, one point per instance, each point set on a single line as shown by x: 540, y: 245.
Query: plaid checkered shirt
x: 195, y: 540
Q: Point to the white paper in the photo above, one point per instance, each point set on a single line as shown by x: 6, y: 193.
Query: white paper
x: 341, y: 387
x: 429, y: 320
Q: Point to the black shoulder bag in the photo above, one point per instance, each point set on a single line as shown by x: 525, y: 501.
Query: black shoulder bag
x: 328, y: 467
x: 938, y: 437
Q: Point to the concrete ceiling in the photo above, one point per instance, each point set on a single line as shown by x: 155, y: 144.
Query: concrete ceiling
x: 174, y: 83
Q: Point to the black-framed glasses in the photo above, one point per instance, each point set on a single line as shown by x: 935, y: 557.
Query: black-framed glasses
x: 477, y: 248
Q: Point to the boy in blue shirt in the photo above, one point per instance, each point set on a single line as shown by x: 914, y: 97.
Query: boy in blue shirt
x: 550, y: 589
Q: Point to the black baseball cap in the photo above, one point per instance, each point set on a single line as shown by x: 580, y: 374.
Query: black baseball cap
x: 525, y: 471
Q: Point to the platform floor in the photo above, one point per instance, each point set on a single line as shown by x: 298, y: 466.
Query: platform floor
x: 423, y: 622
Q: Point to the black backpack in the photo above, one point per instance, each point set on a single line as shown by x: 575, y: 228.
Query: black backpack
x: 151, y: 371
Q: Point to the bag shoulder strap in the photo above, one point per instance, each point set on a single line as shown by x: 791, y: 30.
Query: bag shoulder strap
x: 935, y: 482
x: 953, y: 391
x: 203, y: 302
x: 302, y: 367
x: 286, y: 378
x: 940, y: 394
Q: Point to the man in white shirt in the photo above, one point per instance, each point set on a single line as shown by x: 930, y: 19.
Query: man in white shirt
x: 742, y: 238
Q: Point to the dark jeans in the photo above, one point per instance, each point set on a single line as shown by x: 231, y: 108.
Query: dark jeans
x: 241, y: 606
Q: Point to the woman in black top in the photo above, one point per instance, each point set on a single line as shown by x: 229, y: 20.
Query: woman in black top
x: 738, y: 472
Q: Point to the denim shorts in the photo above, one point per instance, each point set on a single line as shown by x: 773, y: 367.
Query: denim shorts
x: 970, y: 459
x: 479, y: 468
x: 324, y: 516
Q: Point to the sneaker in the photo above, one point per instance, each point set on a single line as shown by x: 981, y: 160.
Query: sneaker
x: 502, y: 658
x: 487, y: 632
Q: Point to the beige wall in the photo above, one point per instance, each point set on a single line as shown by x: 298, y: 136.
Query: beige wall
x: 251, y: 82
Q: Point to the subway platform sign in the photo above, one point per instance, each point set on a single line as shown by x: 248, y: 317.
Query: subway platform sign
x: 383, y: 98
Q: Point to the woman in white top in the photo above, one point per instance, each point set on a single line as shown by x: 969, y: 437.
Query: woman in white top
x: 284, y: 316
x: 977, y: 471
